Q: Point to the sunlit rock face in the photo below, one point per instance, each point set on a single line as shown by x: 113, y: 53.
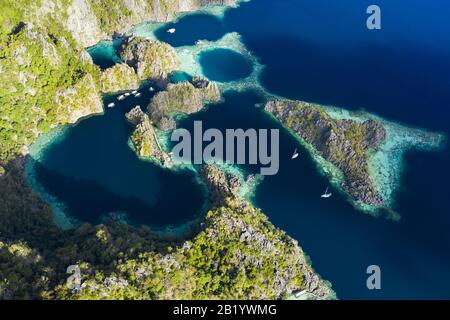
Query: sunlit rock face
x: 150, y: 59
x: 119, y: 77
x: 183, y: 97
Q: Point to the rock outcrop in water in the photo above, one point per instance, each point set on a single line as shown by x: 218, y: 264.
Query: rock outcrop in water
x: 119, y: 77
x: 151, y: 59
x: 344, y: 143
x: 221, y: 185
x: 144, y: 138
x: 183, y: 97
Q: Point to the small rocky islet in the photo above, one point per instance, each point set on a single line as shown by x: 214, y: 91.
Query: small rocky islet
x: 344, y: 143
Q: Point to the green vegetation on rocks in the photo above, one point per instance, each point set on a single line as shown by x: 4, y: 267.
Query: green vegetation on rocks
x: 238, y: 255
x: 183, y: 97
x: 144, y: 137
x: 151, y: 59
x: 119, y: 77
x: 46, y: 79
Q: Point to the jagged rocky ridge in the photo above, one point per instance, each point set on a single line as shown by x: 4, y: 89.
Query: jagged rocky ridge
x: 238, y: 254
x: 221, y: 185
x: 151, y: 59
x: 144, y: 137
x: 183, y: 97
x: 344, y: 143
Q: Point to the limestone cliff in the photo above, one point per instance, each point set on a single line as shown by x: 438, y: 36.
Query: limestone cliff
x: 45, y: 80
x: 80, y: 101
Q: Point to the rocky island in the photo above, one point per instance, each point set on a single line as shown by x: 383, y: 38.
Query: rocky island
x: 182, y: 98
x: 344, y: 143
x: 144, y: 137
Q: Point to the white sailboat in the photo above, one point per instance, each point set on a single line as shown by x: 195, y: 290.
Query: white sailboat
x: 121, y: 97
x: 127, y: 94
x: 111, y: 105
x: 171, y: 30
x: 134, y: 92
x: 151, y: 89
x: 326, y: 194
x: 137, y: 95
x: 295, y: 155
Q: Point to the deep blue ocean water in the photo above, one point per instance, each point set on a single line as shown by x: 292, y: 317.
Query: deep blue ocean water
x: 224, y: 65
x: 316, y: 51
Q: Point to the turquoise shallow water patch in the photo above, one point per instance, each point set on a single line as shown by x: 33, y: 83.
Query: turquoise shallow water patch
x: 104, y: 53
